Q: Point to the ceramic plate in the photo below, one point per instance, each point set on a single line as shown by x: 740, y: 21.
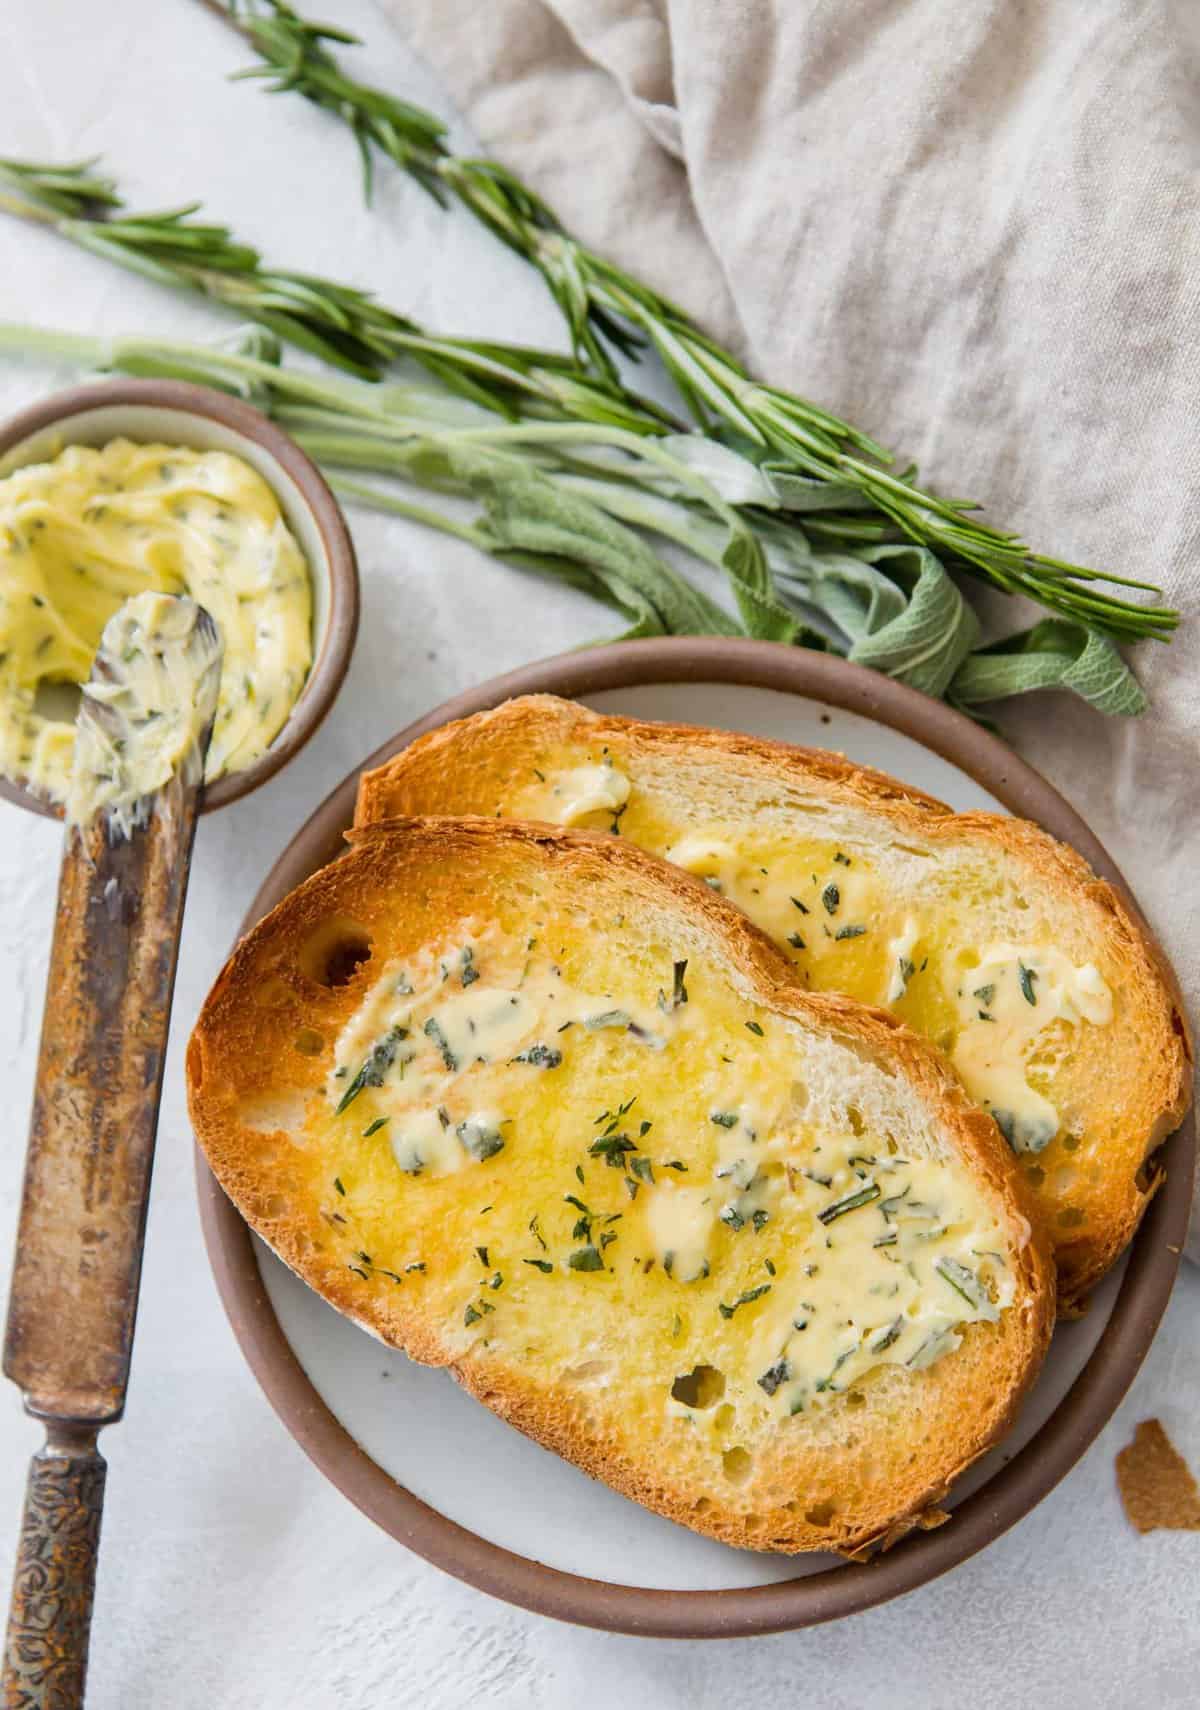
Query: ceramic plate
x: 526, y: 1525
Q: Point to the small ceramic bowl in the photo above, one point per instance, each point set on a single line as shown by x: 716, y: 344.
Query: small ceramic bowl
x: 173, y: 413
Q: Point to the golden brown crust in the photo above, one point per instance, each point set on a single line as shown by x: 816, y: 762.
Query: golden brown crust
x: 397, y: 879
x: 466, y: 768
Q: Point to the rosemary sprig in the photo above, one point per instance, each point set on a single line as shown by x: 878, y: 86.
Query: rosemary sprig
x: 339, y: 323
x: 819, y: 456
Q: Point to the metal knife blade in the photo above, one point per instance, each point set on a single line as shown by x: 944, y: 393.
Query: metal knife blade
x: 78, y: 1258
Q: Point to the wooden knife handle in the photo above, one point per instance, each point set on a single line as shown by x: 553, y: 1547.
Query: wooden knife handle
x: 50, y: 1617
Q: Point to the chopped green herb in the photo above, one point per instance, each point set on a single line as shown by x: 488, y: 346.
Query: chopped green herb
x: 831, y: 897
x: 612, y: 1148
x: 374, y: 1127
x: 543, y: 1265
x: 733, y: 1217
x: 759, y: 1219
x: 535, y: 1229
x: 892, y: 1334
x: 842, y: 860
x: 724, y: 1118
x: 337, y: 1182
x: 1027, y: 976
x: 803, y: 907
x: 964, y: 1282
x: 470, y: 973
x: 585, y: 1259
x: 471, y: 1316
x: 483, y: 1256
x: 743, y: 1300
x: 379, y: 1060
x: 849, y: 932
x: 755, y: 1028
x: 434, y: 1032
x: 774, y: 1376
x: 608, y: 1018
x: 985, y: 994
x: 540, y: 1056
x: 496, y: 1280
x: 643, y: 1169
x: 769, y: 1267
x: 796, y: 942
x: 984, y: 1016
x: 479, y: 1139
x: 840, y: 1207
x: 678, y: 989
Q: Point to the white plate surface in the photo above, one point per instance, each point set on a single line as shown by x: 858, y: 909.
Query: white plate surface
x: 456, y: 1455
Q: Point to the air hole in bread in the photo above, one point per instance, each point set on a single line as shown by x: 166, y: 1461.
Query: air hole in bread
x: 1035, y: 1175
x: 1070, y: 1142
x: 701, y: 1505
x: 724, y: 1417
x: 275, y: 1205
x: 1071, y: 1217
x: 856, y: 1398
x: 334, y: 952
x: 738, y: 1464
x: 700, y: 1388
x: 309, y: 1042
x: 820, y: 1514
x: 854, y: 1117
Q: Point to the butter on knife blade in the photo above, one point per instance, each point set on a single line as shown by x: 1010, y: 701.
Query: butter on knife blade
x: 143, y: 729
x: 152, y: 692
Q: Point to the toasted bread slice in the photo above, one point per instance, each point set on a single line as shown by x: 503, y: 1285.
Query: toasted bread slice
x: 535, y: 1106
x: 982, y: 932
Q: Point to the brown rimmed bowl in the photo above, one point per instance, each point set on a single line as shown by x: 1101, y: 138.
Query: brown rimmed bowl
x: 1050, y: 1436
x: 175, y: 413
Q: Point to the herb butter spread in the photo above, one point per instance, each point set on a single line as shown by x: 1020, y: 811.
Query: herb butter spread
x: 151, y: 696
x: 579, y: 1125
x: 885, y: 940
x: 95, y: 526
x: 1006, y: 1002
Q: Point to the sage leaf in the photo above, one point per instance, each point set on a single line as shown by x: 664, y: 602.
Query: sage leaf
x: 925, y: 644
x: 1054, y: 654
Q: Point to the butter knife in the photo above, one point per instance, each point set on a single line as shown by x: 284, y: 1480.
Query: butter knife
x: 141, y: 737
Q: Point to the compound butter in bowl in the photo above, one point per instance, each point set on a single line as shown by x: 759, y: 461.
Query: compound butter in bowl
x: 129, y: 487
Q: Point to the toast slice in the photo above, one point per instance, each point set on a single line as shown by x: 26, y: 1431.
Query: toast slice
x: 982, y: 932
x: 534, y: 1106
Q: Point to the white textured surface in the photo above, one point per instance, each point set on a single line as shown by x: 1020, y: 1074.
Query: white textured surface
x: 232, y: 1575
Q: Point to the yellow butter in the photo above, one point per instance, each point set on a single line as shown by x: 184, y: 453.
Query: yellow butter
x: 656, y: 1146
x: 88, y: 530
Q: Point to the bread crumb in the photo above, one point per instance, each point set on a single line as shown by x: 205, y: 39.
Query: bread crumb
x: 1156, y: 1484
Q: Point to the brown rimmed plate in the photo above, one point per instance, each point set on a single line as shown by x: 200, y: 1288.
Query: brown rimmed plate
x: 463, y: 1489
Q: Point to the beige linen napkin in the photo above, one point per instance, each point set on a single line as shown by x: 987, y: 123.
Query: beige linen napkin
x: 972, y: 229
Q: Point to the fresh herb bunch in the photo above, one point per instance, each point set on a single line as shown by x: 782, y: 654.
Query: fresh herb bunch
x: 825, y: 464
x: 338, y: 323
x: 598, y: 509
